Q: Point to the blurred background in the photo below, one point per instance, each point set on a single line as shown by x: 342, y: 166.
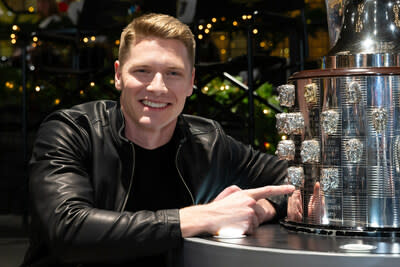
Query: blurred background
x: 57, y: 53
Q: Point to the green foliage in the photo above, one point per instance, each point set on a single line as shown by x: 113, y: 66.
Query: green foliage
x: 226, y: 93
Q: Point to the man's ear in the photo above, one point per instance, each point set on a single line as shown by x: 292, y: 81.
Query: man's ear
x: 117, y: 75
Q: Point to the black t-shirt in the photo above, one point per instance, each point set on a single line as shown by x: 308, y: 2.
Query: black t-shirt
x: 156, y: 185
x: 156, y: 182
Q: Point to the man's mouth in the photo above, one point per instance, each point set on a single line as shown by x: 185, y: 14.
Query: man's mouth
x: 154, y: 104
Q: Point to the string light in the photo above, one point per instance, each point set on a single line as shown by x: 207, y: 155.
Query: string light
x: 200, y: 27
x: 222, y: 37
x: 81, y: 92
x: 31, y: 9
x: 117, y: 42
x: 235, y: 23
x: 15, y: 28
x: 37, y: 88
x: 284, y: 137
x: 35, y: 39
x: 85, y: 40
x: 255, y: 31
x: 57, y: 101
x: 223, y: 51
x: 112, y: 81
x: 266, y: 111
x: 244, y: 17
x: 13, y: 41
x: 93, y: 38
x: 200, y: 36
x: 209, y: 25
x: 248, y: 16
x: 13, y: 36
x: 214, y: 20
x: 267, y: 145
x: 206, y: 31
x: 92, y: 84
x: 223, y: 19
x: 205, y: 89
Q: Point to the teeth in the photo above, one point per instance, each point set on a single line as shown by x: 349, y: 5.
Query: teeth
x: 153, y: 104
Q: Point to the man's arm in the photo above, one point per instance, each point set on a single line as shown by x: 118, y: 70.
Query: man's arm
x: 242, y: 210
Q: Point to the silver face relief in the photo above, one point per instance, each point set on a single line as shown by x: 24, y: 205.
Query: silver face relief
x: 379, y: 119
x: 353, y: 93
x: 285, y: 150
x: 353, y: 150
x: 296, y: 176
x: 311, y: 93
x: 329, y: 121
x: 310, y: 151
x: 329, y: 179
x: 290, y: 123
x: 286, y: 95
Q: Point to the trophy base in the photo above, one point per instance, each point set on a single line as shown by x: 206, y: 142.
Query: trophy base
x: 341, y: 230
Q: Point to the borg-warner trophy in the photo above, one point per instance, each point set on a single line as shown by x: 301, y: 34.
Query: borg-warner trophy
x: 343, y: 126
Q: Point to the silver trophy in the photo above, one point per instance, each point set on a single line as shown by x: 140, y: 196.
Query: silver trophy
x: 350, y: 143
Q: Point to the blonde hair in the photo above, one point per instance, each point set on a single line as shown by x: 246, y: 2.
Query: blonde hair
x: 156, y: 25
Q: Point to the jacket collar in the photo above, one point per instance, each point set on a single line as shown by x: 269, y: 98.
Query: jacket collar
x: 118, y: 126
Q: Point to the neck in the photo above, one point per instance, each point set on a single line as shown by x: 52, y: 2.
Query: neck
x: 149, y: 138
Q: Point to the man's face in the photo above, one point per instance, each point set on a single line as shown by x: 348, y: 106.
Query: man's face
x: 155, y: 80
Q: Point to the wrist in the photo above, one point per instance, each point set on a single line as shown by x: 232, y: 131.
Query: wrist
x: 194, y: 220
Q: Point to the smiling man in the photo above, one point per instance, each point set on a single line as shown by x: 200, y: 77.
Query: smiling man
x: 121, y: 183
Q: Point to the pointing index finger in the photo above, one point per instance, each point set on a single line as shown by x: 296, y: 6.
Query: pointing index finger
x: 269, y: 190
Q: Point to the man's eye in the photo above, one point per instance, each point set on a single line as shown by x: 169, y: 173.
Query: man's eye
x: 174, y: 73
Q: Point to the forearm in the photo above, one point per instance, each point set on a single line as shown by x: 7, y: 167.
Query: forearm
x: 107, y: 236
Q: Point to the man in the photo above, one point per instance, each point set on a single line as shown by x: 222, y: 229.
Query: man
x: 122, y: 183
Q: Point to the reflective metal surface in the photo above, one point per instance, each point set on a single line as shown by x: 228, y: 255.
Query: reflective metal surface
x: 369, y: 33
x: 272, y: 245
x: 348, y: 150
x: 349, y: 144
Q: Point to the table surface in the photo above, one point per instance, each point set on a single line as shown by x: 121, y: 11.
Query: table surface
x: 278, y: 246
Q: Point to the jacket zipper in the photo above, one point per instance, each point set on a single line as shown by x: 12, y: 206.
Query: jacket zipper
x: 131, y: 181
x: 180, y: 175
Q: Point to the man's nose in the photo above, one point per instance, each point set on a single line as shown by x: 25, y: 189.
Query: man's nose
x: 157, y: 85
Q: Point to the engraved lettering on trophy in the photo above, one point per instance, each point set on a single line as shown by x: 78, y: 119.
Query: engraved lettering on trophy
x: 310, y: 151
x: 286, y: 95
x: 286, y: 150
x: 353, y: 92
x: 329, y: 179
x: 329, y: 121
x: 379, y: 119
x: 353, y: 150
x: 290, y: 123
x: 311, y: 93
x: 296, y: 176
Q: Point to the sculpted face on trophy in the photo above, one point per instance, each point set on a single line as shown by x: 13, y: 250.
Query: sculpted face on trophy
x: 296, y: 176
x: 285, y: 150
x: 290, y: 123
x: 286, y: 95
x: 311, y: 93
x: 330, y: 121
x: 353, y: 92
x: 379, y: 119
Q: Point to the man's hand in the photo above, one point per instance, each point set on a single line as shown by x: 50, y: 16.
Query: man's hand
x: 240, y: 209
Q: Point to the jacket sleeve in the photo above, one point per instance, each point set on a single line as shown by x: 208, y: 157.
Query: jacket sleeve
x: 251, y: 168
x: 63, y: 208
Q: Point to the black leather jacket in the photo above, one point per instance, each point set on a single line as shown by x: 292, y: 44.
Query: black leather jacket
x: 81, y: 172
